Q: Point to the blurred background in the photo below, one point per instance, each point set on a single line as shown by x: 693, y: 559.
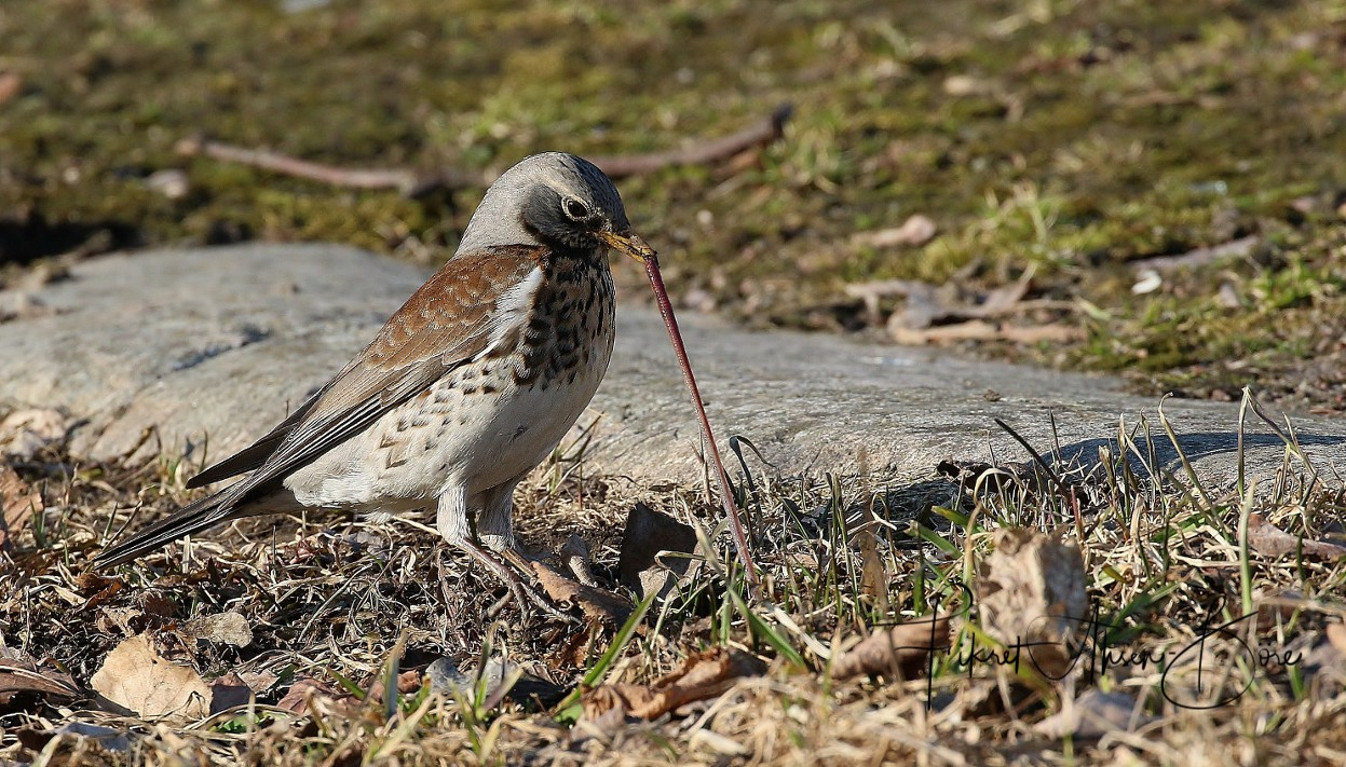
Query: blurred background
x: 1147, y: 187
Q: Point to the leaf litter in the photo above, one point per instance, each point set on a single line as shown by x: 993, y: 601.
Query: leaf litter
x: 823, y: 657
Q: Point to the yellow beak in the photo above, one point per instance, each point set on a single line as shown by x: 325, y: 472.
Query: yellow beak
x: 628, y: 243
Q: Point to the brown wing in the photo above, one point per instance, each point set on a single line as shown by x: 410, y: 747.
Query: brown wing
x: 447, y: 321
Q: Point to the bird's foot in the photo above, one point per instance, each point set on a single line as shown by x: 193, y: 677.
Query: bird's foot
x: 519, y: 586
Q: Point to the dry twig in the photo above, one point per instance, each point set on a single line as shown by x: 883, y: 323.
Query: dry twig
x: 414, y: 185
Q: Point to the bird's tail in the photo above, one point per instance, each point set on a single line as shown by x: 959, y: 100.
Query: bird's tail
x: 191, y: 518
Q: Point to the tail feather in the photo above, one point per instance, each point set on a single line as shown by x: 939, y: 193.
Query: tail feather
x: 191, y: 518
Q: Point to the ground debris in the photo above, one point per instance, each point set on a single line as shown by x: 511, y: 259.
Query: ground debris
x: 228, y: 628
x: 1031, y: 594
x: 108, y: 738
x: 897, y: 652
x: 1272, y: 541
x: 18, y: 503
x: 136, y: 677
x: 644, y: 565
x: 19, y: 674
x: 917, y: 230
x: 598, y: 604
x: 704, y: 675
x: 301, y: 694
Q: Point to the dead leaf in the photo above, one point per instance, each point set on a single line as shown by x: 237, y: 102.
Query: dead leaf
x: 297, y: 698
x: 19, y: 674
x: 258, y: 681
x: 917, y: 230
x: 1030, y: 594
x: 596, y: 603
x: 18, y: 503
x: 641, y: 565
x: 228, y: 691
x: 898, y: 652
x: 702, y: 676
x: 1271, y: 541
x: 408, y: 681
x: 224, y: 628
x: 24, y: 432
x: 108, y: 738
x: 135, y: 676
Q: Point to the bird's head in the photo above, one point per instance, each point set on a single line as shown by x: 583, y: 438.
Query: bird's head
x: 553, y: 199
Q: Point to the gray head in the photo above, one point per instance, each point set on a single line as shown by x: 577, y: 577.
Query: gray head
x: 552, y: 199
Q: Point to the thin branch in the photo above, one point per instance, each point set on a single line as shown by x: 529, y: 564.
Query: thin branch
x: 368, y: 178
x: 414, y: 185
x: 763, y: 133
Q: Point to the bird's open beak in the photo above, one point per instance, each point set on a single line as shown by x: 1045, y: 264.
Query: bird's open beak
x: 628, y: 243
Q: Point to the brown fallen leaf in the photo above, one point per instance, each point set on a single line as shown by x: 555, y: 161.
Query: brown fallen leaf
x: 1030, y: 594
x: 258, y: 681
x: 18, y: 503
x: 296, y: 699
x: 1272, y: 541
x: 702, y: 676
x: 897, y: 652
x: 407, y: 682
x: 228, y: 691
x: 649, y: 533
x: 136, y: 677
x: 19, y: 674
x: 598, y: 604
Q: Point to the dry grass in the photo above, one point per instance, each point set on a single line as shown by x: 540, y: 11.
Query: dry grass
x: 336, y: 601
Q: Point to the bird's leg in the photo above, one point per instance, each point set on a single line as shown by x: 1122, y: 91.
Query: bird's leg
x: 519, y: 588
x: 495, y: 525
x: 453, y: 520
x: 495, y: 521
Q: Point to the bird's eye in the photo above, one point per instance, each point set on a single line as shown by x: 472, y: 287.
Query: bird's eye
x: 576, y: 209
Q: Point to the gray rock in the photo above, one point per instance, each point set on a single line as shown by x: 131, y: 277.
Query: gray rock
x: 196, y: 352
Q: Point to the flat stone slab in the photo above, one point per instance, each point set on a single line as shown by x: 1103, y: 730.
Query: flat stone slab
x: 196, y: 352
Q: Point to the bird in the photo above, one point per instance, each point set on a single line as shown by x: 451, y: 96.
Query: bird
x: 467, y: 387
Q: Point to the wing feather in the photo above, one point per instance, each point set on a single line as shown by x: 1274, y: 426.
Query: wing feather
x: 452, y: 318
